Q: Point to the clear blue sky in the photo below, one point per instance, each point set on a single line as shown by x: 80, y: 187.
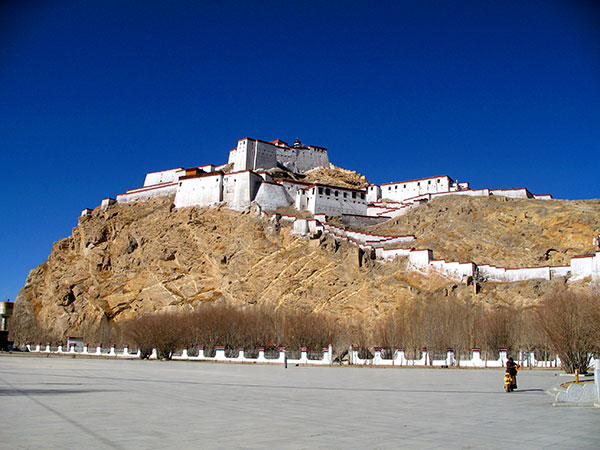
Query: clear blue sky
x: 94, y: 94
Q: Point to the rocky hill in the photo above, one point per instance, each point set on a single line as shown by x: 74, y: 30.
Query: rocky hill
x: 502, y: 231
x: 148, y: 256
x: 332, y: 175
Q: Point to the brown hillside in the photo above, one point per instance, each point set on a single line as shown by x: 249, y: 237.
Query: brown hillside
x: 148, y: 256
x: 502, y: 231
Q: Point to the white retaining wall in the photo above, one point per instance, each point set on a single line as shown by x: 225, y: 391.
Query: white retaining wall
x: 512, y: 193
x: 148, y: 193
x: 203, y: 190
x: 501, y: 274
x: 585, y: 266
x: 271, y: 196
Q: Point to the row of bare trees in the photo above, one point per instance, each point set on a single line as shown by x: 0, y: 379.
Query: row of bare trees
x: 566, y: 323
x: 223, y: 324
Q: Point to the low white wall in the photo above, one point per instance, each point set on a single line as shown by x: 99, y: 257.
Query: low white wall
x: 388, y: 254
x: 585, y: 266
x: 512, y: 193
x: 524, y: 358
x: 501, y: 274
x: 147, y: 193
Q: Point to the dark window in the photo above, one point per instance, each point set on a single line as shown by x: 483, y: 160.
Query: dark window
x: 404, y: 186
x: 362, y: 195
x: 345, y: 194
x: 354, y: 195
x: 429, y: 182
x: 327, y: 191
x: 320, y: 190
x: 336, y: 193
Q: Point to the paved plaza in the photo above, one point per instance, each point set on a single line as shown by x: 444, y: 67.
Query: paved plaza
x: 74, y: 403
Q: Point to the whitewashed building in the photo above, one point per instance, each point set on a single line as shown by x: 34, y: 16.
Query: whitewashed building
x: 254, y: 154
x: 244, y: 180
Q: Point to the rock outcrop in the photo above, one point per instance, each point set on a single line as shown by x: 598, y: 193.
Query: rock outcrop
x: 141, y: 257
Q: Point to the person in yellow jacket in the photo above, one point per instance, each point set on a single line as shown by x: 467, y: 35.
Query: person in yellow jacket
x: 507, y: 381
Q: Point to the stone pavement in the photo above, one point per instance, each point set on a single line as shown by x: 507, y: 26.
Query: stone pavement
x: 63, y: 402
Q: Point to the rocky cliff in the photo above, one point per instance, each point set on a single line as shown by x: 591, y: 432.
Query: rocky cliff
x: 142, y: 257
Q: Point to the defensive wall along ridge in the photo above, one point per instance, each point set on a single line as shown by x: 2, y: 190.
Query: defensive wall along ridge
x: 245, y: 181
x: 421, y: 260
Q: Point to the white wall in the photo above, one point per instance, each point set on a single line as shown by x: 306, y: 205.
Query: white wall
x: 388, y: 254
x: 507, y: 275
x: 420, y: 258
x: 323, y: 200
x: 406, y: 189
x: 271, y: 196
x: 512, y: 193
x: 204, y: 190
x: 373, y: 193
x: 302, y: 159
x: 253, y: 154
x: 240, y: 188
x: 585, y: 266
x: 144, y: 194
x: 165, y: 176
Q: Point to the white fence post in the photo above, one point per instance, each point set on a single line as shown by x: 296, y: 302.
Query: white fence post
x: 220, y: 353
x: 450, y: 360
x: 303, y: 356
x: 597, y: 380
x: 377, y: 356
x: 399, y: 358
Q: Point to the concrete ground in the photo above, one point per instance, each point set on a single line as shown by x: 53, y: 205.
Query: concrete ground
x: 62, y: 402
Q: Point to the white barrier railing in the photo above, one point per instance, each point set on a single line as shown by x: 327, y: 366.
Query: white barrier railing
x: 524, y: 358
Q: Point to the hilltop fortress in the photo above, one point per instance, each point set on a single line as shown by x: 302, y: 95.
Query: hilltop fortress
x: 246, y: 180
x: 253, y: 177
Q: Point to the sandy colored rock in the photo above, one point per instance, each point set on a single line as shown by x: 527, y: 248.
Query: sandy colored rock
x: 148, y: 256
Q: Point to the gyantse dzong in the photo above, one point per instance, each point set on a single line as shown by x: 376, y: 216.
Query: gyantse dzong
x: 252, y: 178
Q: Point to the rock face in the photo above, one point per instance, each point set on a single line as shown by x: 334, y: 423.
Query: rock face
x: 142, y: 257
x: 501, y: 231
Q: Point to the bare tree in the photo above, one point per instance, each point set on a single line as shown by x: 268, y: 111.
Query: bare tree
x: 570, y: 321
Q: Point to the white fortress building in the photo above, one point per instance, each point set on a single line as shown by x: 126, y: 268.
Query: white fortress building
x: 245, y: 180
